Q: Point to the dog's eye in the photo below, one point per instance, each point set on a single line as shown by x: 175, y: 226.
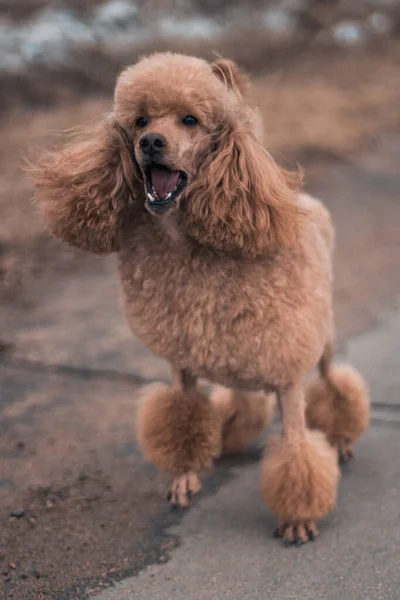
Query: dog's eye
x: 141, y: 122
x: 189, y: 121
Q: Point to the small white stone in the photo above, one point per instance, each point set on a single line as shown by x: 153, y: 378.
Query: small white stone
x: 52, y: 35
x: 278, y: 22
x: 116, y: 12
x: 348, y: 33
x: 380, y: 23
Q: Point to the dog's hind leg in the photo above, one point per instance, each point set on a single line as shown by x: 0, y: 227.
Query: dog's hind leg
x: 299, y: 474
x: 180, y: 432
x: 337, y: 403
x: 244, y: 416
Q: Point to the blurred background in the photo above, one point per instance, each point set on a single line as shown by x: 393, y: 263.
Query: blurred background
x: 326, y: 77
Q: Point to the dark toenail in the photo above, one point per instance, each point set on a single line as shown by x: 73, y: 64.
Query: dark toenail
x: 173, y: 507
x: 287, y: 542
x: 311, y: 536
x: 299, y: 542
x: 189, y: 494
x: 169, y: 496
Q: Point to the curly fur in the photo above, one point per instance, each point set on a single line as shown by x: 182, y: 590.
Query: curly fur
x: 240, y: 199
x: 178, y: 431
x: 299, y: 476
x: 231, y: 76
x: 85, y: 189
x: 232, y: 284
x: 338, y: 405
x: 244, y: 416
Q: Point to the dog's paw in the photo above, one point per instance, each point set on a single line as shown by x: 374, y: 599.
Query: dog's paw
x: 296, y: 532
x: 182, y: 490
x: 345, y: 451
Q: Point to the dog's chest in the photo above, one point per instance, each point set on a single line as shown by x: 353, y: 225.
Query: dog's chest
x: 167, y: 281
x: 176, y: 293
x: 210, y: 312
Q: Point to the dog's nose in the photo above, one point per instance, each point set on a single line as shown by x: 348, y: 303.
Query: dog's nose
x: 152, y: 143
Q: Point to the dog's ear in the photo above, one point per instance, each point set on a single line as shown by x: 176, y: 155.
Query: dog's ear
x: 230, y: 74
x: 82, y: 188
x: 241, y: 200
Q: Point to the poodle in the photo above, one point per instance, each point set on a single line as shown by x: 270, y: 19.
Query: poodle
x: 226, y: 273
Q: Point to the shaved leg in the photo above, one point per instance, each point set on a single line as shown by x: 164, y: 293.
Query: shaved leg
x: 183, y: 380
x: 299, y: 473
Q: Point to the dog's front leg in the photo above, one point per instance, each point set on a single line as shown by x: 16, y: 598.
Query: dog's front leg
x: 180, y: 432
x: 300, y: 472
x: 185, y: 485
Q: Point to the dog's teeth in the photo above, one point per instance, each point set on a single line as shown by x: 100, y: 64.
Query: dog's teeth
x: 155, y: 195
x: 150, y: 197
x: 168, y: 195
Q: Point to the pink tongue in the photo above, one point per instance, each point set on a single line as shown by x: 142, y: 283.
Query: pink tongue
x: 163, y: 180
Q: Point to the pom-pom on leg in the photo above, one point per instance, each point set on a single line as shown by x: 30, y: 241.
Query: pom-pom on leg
x: 179, y: 432
x: 299, y: 480
x: 338, y: 404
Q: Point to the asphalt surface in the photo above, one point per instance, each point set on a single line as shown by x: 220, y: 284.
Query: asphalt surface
x: 227, y: 549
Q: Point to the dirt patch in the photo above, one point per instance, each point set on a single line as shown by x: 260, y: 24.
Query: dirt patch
x: 79, y: 507
x: 72, y: 476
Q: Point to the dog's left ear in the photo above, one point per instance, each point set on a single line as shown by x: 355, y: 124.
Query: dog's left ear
x: 240, y: 199
x: 230, y: 74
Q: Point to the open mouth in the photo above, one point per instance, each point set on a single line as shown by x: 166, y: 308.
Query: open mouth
x: 163, y: 185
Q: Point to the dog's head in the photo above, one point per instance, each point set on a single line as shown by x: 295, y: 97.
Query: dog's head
x: 171, y: 107
x: 197, y: 144
x: 183, y: 138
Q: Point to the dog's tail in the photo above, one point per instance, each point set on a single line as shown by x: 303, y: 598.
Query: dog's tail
x: 338, y: 403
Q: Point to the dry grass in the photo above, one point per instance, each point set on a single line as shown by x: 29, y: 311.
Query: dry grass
x: 334, y: 107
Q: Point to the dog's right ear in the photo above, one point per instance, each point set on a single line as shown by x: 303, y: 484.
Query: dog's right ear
x: 229, y: 73
x: 83, y: 188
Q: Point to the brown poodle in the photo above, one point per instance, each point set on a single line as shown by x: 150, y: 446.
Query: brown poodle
x: 226, y: 273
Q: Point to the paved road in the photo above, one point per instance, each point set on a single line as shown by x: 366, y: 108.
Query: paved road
x: 226, y: 546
